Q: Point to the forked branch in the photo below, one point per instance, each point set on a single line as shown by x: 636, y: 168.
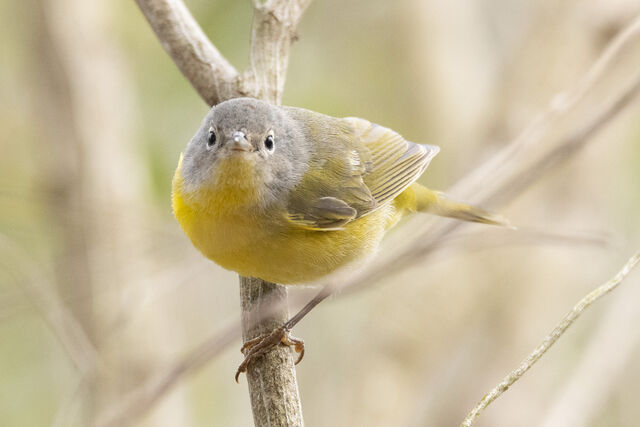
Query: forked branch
x: 210, y: 74
x: 272, y: 383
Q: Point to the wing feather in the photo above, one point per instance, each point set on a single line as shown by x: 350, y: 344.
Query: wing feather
x: 355, y: 169
x: 396, y: 162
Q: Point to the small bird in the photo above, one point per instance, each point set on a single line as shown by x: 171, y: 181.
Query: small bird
x: 289, y: 195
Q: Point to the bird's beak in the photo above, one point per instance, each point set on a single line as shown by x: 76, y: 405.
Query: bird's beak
x: 239, y: 142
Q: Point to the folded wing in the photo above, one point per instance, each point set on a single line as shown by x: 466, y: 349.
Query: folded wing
x: 354, y: 169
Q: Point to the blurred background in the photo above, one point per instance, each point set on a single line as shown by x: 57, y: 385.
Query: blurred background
x: 100, y: 291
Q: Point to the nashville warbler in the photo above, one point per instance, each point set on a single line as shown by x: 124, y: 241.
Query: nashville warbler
x: 289, y: 195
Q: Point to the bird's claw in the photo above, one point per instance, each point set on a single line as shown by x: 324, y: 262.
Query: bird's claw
x: 260, y: 345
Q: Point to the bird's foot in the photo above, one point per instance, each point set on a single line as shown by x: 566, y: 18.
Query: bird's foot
x: 260, y: 345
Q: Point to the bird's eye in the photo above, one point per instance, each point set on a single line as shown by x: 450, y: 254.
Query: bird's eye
x: 268, y: 142
x: 211, y: 138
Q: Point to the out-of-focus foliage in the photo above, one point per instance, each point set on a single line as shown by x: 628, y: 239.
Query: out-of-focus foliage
x: 94, y: 114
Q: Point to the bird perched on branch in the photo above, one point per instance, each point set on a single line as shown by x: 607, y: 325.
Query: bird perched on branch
x: 289, y: 195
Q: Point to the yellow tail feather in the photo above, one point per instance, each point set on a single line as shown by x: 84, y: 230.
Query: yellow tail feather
x: 438, y: 203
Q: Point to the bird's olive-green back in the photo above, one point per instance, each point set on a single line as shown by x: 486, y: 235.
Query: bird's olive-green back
x: 354, y: 168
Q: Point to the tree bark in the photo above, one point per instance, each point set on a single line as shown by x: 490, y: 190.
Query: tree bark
x: 273, y: 387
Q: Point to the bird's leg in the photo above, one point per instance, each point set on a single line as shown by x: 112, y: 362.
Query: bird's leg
x: 260, y: 345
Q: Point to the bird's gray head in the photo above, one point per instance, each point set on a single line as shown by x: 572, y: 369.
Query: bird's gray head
x: 245, y: 144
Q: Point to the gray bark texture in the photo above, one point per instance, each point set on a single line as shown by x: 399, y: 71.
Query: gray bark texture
x: 273, y: 387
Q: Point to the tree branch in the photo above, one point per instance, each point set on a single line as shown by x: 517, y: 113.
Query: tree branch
x: 597, y: 376
x: 273, y: 30
x: 210, y: 74
x: 273, y: 387
x: 272, y: 382
x: 550, y: 339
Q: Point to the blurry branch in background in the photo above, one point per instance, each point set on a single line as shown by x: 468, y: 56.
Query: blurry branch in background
x: 526, y: 236
x: 483, y: 178
x: 521, y: 176
x: 560, y: 106
x: 61, y: 179
x: 521, y: 179
x: 524, y: 160
x: 272, y: 382
x: 69, y: 408
x: 138, y: 402
x: 550, y: 339
x: 63, y: 323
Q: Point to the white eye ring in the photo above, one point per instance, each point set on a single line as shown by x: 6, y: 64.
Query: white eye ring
x: 269, y: 142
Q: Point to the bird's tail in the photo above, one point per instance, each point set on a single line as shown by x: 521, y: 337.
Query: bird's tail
x: 438, y: 203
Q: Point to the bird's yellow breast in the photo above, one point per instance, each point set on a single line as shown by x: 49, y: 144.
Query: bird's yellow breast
x: 226, y: 225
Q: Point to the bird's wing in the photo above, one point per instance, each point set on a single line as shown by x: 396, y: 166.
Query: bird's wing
x: 325, y: 213
x: 355, y: 168
x: 396, y: 162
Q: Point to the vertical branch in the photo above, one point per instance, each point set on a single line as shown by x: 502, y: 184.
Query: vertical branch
x: 273, y: 30
x: 273, y: 387
x: 272, y: 381
x: 63, y: 173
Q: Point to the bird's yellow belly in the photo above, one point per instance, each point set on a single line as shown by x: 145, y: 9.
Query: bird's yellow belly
x: 274, y: 249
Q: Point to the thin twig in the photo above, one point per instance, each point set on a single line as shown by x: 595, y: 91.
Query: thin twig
x: 597, y: 374
x: 550, y: 339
